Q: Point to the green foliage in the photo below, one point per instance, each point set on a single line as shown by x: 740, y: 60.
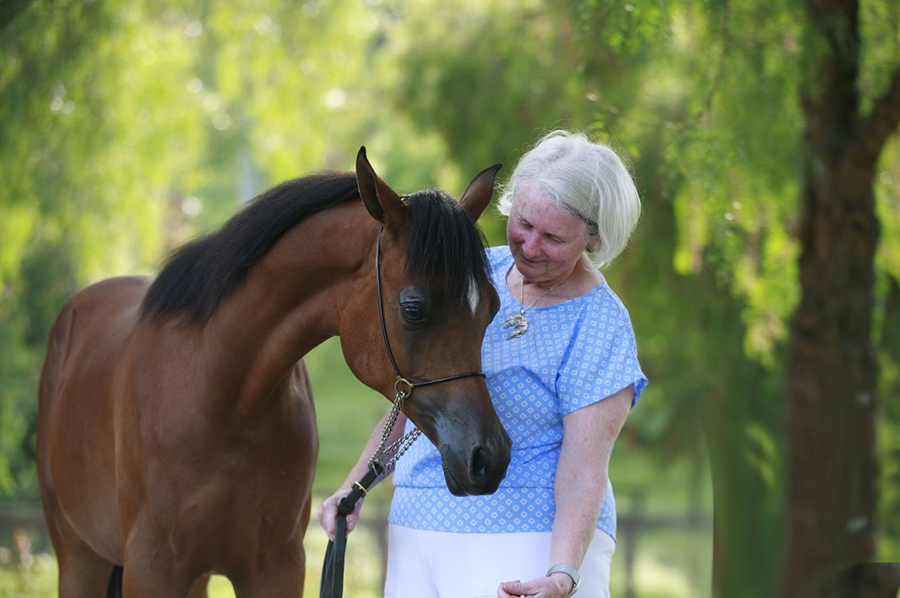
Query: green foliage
x: 880, y: 50
x: 739, y: 201
x: 466, y: 76
x: 130, y: 128
x: 887, y: 338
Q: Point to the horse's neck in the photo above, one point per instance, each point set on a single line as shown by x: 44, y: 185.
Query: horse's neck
x: 289, y: 303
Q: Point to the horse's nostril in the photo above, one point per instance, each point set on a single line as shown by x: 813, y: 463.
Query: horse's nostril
x: 478, y: 467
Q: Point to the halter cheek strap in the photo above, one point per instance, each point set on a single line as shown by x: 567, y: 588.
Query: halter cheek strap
x: 385, y: 456
x: 401, y: 380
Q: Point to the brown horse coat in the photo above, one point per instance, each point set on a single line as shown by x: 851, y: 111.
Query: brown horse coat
x: 182, y: 443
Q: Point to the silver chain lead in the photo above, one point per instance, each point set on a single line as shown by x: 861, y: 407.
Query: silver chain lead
x: 403, y: 389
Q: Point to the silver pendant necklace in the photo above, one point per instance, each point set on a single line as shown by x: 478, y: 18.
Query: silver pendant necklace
x: 519, y: 322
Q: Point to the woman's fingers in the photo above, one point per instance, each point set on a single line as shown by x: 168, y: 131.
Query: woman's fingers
x: 512, y: 589
x: 352, y: 520
x: 328, y: 510
x: 326, y: 514
x: 542, y: 587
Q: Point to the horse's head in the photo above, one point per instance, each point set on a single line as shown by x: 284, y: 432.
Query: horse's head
x: 437, y: 303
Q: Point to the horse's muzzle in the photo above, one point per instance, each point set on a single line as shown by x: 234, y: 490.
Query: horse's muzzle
x: 478, y: 470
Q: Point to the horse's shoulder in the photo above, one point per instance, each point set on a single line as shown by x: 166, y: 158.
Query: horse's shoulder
x: 123, y: 283
x: 110, y: 299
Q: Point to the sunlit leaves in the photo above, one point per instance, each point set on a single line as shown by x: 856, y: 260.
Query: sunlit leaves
x: 763, y: 455
x: 15, y: 229
x: 738, y: 205
x: 129, y: 128
x: 880, y: 52
x: 887, y: 194
x: 467, y: 76
x: 620, y: 30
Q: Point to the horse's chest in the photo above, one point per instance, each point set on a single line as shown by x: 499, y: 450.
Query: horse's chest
x: 234, y: 458
x: 236, y: 485
x: 212, y: 473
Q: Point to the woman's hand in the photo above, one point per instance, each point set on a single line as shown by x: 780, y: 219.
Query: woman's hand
x: 557, y: 585
x: 327, y: 513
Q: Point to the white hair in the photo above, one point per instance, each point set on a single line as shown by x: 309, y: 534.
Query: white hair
x: 586, y: 178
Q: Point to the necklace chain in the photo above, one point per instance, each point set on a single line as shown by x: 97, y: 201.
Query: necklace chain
x: 519, y: 322
x: 533, y: 303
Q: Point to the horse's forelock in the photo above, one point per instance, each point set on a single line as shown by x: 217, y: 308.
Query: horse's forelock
x: 446, y: 249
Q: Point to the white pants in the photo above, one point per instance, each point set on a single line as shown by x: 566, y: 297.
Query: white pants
x: 429, y: 564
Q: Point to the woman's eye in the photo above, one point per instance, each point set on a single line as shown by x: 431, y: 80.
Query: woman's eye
x: 413, y: 313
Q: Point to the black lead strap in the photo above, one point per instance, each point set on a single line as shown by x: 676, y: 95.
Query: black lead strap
x: 332, y: 585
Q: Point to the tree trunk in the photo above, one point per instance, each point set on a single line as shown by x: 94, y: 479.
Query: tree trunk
x: 832, y: 372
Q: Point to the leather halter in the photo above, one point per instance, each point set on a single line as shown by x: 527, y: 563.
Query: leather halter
x: 401, y: 381
x: 332, y: 583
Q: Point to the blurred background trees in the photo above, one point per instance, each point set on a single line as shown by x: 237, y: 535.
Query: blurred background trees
x: 128, y: 128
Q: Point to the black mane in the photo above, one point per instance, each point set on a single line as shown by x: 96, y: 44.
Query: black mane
x: 199, y: 275
x: 446, y: 248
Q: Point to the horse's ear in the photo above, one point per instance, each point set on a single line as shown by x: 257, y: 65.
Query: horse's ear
x: 478, y: 193
x: 380, y: 200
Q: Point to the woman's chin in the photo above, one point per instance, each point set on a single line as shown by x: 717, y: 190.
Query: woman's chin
x: 527, y: 266
x: 532, y: 272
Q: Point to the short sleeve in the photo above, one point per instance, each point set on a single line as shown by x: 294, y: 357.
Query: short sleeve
x: 496, y: 256
x: 601, y: 360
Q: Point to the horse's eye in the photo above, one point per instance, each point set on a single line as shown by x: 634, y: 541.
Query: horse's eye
x: 413, y: 313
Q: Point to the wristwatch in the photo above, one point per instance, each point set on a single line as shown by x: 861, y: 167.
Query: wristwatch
x: 568, y: 570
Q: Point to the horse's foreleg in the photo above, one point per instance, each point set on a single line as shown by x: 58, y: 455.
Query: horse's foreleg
x: 82, y: 572
x: 144, y: 577
x: 151, y: 570
x: 283, y: 574
x: 83, y: 575
x: 146, y: 582
x: 282, y: 577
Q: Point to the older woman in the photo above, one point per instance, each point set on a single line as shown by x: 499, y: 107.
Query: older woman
x: 562, y: 368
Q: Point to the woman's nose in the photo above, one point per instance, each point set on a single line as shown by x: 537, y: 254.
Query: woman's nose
x: 531, y: 246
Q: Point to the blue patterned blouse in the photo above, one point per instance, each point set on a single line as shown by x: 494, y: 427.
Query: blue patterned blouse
x: 574, y: 354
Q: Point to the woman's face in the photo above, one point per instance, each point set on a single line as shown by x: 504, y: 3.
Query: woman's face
x: 546, y: 241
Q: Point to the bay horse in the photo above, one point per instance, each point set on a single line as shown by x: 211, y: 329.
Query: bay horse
x: 176, y: 431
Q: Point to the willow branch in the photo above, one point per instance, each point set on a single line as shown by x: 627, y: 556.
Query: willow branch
x: 875, y: 130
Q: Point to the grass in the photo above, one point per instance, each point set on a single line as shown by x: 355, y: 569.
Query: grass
x: 37, y: 576
x: 666, y: 566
